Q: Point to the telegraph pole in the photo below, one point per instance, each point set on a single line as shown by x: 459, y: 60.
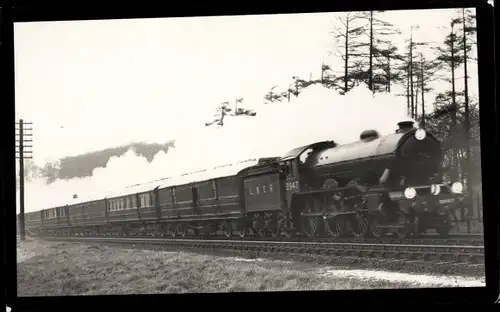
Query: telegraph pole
x: 24, y: 135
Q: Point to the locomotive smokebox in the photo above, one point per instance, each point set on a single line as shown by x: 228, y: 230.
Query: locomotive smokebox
x: 405, y: 126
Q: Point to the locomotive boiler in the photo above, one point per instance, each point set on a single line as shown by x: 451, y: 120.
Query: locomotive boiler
x: 375, y: 185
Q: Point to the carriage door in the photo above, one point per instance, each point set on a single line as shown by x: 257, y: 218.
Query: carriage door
x: 194, y: 189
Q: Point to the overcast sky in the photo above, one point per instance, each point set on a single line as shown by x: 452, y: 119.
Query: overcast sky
x: 88, y: 85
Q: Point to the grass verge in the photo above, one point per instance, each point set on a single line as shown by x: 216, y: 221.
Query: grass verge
x: 56, y: 269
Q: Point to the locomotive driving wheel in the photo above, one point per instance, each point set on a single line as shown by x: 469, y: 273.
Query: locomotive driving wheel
x: 282, y: 226
x: 312, y: 225
x: 336, y: 227
x: 361, y: 228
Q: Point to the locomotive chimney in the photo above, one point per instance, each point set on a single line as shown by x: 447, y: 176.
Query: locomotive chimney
x: 405, y: 126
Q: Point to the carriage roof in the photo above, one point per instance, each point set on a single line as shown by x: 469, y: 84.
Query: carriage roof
x: 193, y: 177
x: 214, y: 173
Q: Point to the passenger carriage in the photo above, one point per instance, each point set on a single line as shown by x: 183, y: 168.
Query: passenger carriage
x: 205, y: 201
x: 87, y: 215
x: 33, y: 223
x: 56, y: 220
x: 131, y: 210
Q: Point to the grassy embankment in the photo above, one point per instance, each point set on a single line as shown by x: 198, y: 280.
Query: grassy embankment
x: 53, y: 268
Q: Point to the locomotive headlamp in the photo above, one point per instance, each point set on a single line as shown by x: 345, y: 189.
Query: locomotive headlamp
x: 410, y: 193
x: 457, y: 187
x: 420, y: 134
x: 435, y: 189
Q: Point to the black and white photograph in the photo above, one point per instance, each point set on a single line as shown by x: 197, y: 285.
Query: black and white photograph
x: 250, y: 153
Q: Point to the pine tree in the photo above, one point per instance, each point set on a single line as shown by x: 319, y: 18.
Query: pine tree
x: 347, y: 35
x: 451, y: 59
x: 407, y: 71
x: 426, y: 73
x: 469, y: 29
x: 379, y: 49
x: 272, y: 96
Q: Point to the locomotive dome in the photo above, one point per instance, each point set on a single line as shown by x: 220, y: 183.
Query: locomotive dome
x: 369, y: 135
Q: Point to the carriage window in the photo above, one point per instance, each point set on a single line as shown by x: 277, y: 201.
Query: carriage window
x: 294, y: 168
x: 289, y: 168
x: 152, y: 199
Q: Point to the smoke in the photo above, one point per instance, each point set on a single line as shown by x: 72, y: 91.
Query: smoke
x: 316, y: 114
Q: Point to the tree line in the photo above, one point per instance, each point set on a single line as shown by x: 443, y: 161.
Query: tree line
x: 369, y: 57
x: 363, y: 43
x: 82, y: 166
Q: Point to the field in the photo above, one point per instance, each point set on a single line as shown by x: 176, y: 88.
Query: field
x: 56, y: 269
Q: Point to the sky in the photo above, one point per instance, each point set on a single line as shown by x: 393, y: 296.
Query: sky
x: 88, y: 85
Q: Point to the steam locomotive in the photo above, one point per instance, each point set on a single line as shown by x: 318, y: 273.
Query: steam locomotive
x: 376, y: 186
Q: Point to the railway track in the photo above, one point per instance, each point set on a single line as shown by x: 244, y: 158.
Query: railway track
x: 427, y: 239
x: 471, y: 254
